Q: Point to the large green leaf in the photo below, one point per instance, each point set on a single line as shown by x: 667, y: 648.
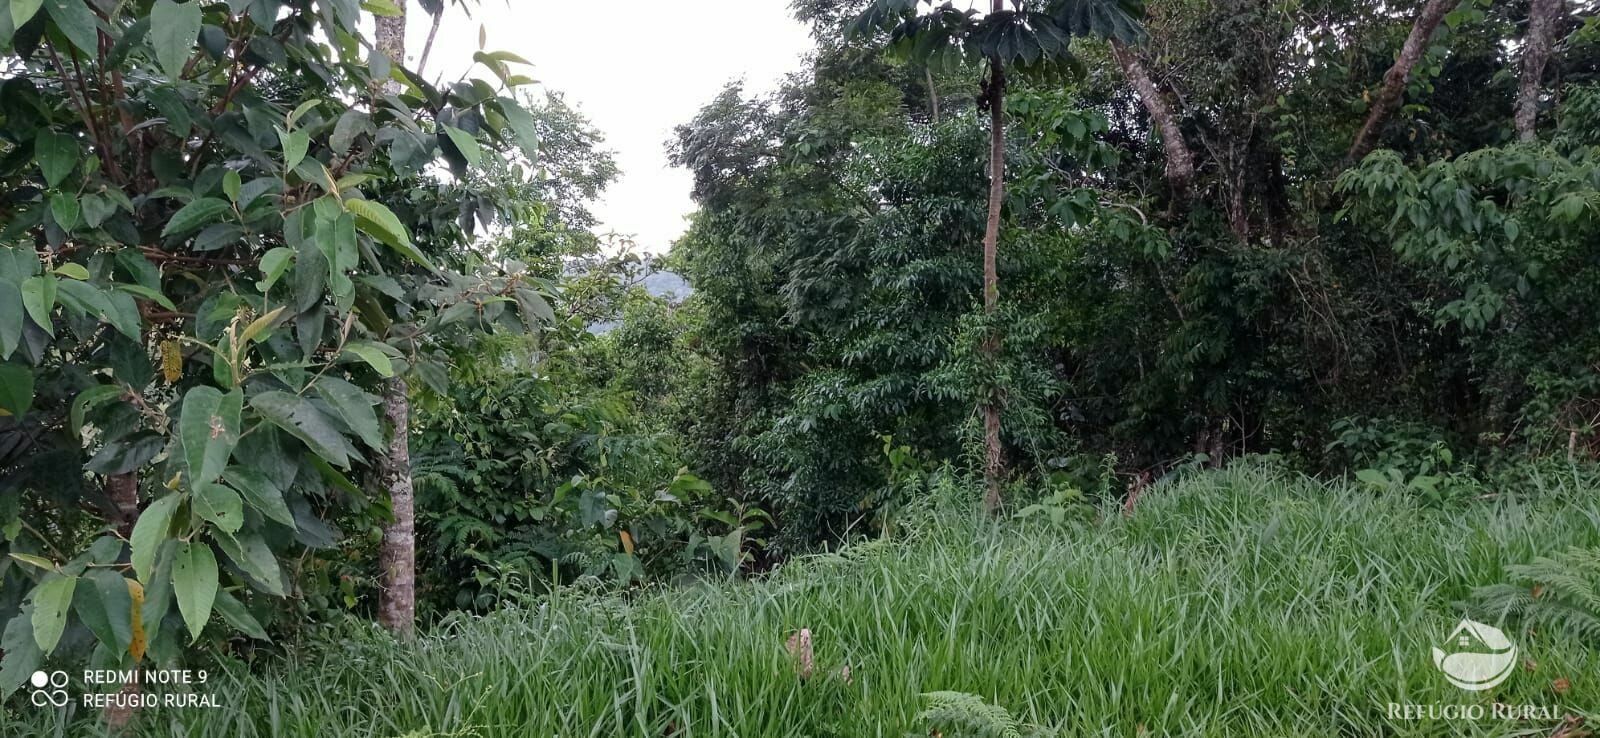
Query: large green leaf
x: 107, y: 608
x: 64, y: 209
x: 208, y: 429
x: 23, y: 11
x: 149, y: 533
x: 466, y: 144
x: 158, y: 591
x: 273, y: 264
x: 194, y: 583
x: 354, y: 407
x: 11, y: 317
x: 260, y: 493
x: 194, y: 215
x: 233, y: 611
x: 88, y: 400
x: 220, y: 505
x: 254, y: 557
x: 299, y: 418
x: 16, y: 389
x: 374, y: 356
x: 378, y: 221
x: 295, y: 144
x: 56, y: 153
x: 51, y: 601
x: 22, y: 654
x: 523, y: 126
x: 39, y: 299
x: 174, y: 27
x: 77, y: 22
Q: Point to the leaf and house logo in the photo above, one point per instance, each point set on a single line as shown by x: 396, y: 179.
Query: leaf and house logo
x: 1479, y: 656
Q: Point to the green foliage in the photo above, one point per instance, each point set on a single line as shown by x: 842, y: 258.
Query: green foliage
x: 1306, y: 604
x: 1285, y: 302
x: 207, y: 269
x: 964, y: 714
x: 1559, y: 592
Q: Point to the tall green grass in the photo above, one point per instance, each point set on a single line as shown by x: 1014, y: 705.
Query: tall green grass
x: 1246, y: 602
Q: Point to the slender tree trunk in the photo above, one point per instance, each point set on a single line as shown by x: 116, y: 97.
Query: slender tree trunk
x: 1180, y: 161
x: 390, y: 38
x: 397, y: 607
x: 123, y: 489
x: 1394, y: 82
x: 1542, y: 15
x: 933, y: 95
x: 994, y: 466
x: 397, y: 604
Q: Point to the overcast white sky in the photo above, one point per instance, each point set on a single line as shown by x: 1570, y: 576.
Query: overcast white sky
x: 635, y: 68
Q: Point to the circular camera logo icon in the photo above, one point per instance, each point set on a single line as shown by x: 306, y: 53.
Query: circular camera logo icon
x: 49, y: 689
x: 1480, y: 656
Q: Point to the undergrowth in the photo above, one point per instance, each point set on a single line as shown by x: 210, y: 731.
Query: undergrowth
x: 1242, y: 602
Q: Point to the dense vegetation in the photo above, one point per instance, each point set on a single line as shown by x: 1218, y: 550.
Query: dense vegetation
x: 294, y: 339
x: 1247, y: 602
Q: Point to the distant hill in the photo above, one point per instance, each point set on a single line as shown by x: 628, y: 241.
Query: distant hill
x: 669, y: 286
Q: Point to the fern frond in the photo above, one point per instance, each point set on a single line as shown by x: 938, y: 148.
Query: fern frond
x: 1559, y: 592
x: 966, y: 714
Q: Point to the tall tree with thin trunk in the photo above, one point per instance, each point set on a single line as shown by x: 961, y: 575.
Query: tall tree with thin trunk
x: 397, y: 601
x: 993, y: 461
x: 1542, y: 17
x: 1003, y: 38
x: 1394, y: 81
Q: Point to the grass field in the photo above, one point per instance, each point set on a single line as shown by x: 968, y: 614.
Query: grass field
x: 1246, y: 602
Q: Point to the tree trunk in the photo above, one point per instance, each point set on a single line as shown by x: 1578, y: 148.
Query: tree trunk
x: 994, y: 467
x: 1180, y: 161
x: 390, y: 38
x: 933, y: 95
x: 1542, y: 15
x: 1394, y: 82
x: 397, y: 606
x: 123, y: 489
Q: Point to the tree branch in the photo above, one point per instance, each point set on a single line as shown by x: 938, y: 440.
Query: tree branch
x: 1180, y: 160
x: 1394, y: 81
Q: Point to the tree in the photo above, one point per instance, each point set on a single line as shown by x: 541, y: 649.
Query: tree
x: 1394, y: 81
x: 207, y: 266
x: 397, y: 557
x: 1542, y: 18
x: 1002, y: 38
x: 1180, y: 160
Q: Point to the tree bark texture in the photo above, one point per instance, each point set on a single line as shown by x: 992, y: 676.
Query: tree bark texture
x: 1542, y: 16
x: 1180, y: 160
x: 397, y: 604
x: 390, y: 38
x: 1394, y: 81
x: 994, y: 467
x: 397, y: 609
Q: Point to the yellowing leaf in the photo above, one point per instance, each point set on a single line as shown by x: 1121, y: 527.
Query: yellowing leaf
x: 136, y: 648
